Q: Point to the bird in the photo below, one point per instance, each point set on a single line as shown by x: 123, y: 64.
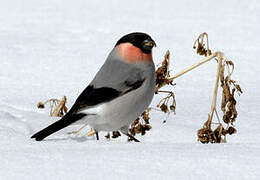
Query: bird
x: 120, y: 91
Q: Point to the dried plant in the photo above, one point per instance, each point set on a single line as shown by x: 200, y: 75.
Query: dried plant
x: 57, y: 107
x: 165, y: 105
x: 199, y: 45
x: 141, y: 126
x: 162, y: 74
x: 228, y: 103
x: 107, y: 135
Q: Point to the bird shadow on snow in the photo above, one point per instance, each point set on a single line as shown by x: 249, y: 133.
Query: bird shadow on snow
x: 78, y: 139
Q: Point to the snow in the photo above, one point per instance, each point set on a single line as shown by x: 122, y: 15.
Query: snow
x: 49, y: 49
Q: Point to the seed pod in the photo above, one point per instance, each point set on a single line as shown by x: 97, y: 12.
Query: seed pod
x: 231, y: 130
x: 40, y: 105
x: 108, y: 135
x: 164, y: 108
x: 115, y: 134
x: 172, y: 108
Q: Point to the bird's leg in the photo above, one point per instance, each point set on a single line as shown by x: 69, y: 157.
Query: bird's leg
x: 92, y: 133
x: 97, y: 135
x: 77, y: 132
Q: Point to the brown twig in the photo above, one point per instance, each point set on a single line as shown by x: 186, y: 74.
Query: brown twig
x: 193, y: 66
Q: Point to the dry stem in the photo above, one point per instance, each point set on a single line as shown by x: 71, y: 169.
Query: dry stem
x: 194, y: 66
x: 214, y: 101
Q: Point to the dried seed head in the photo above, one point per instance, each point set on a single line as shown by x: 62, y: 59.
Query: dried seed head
x: 199, y: 44
x: 108, y: 135
x: 40, y: 105
x: 115, y: 134
x: 231, y: 130
x: 164, y: 108
x: 205, y: 135
x: 162, y: 74
x: 172, y: 108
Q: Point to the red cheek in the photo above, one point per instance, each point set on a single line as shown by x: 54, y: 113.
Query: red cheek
x: 132, y: 54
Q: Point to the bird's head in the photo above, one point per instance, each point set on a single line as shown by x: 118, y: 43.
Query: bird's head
x: 135, y: 47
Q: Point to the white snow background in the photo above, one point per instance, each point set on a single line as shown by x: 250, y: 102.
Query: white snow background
x: 53, y: 48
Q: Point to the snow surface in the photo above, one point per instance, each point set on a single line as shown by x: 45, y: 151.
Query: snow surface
x: 53, y: 48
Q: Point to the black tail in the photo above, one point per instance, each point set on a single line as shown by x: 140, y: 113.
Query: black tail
x: 58, y: 125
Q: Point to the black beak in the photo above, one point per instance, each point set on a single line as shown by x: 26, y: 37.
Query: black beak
x: 148, y: 44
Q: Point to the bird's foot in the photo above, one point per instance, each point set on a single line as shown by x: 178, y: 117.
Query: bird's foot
x: 92, y: 133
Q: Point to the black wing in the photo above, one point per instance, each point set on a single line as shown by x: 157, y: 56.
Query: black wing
x: 92, y: 96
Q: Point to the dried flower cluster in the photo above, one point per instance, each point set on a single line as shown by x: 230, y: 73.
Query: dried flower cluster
x: 138, y: 127
x: 163, y: 78
x: 228, y: 105
x: 206, y: 135
x: 162, y: 74
x: 57, y: 107
x: 201, y: 50
x: 165, y: 105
